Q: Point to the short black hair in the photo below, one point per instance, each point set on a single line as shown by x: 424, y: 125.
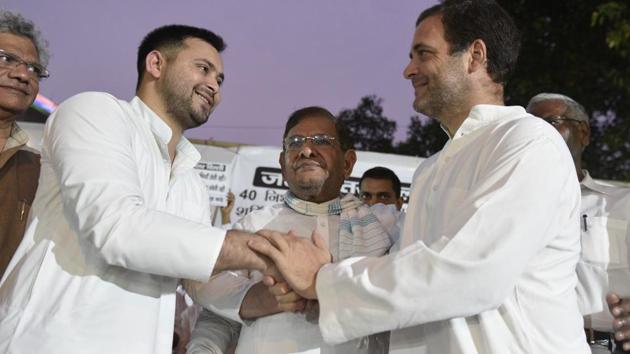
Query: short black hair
x: 385, y: 173
x: 345, y: 141
x: 468, y: 20
x: 171, y: 37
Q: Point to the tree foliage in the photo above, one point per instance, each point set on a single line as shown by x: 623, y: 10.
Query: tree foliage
x: 368, y: 127
x: 580, y: 48
x: 425, y: 137
x: 372, y: 131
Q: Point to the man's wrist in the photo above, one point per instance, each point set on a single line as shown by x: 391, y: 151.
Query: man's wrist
x: 235, y: 254
x: 258, y: 302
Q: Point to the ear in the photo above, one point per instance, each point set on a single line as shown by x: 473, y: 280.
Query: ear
x: 478, y: 56
x: 281, y: 161
x: 350, y: 158
x: 155, y: 63
x: 399, y: 203
x: 585, y: 133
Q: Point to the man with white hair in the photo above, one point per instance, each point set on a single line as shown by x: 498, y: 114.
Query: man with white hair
x: 23, y: 57
x: 605, y: 213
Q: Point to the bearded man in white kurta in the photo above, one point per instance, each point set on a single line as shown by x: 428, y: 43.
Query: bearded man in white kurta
x: 490, y: 241
x: 317, y: 156
x: 120, y: 213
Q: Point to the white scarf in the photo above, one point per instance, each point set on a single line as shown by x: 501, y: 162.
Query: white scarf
x: 360, y: 231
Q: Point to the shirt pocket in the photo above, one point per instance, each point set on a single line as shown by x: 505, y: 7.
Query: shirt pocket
x: 605, y: 243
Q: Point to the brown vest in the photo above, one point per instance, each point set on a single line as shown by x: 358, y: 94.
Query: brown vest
x: 18, y: 182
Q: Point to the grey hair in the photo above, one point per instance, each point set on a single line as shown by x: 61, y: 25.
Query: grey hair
x: 14, y: 23
x: 574, y: 109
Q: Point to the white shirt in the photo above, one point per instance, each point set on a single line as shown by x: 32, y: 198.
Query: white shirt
x: 283, y: 332
x: 604, y: 264
x: 116, y: 225
x: 490, y: 243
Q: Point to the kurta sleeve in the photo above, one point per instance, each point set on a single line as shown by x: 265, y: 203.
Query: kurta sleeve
x: 90, y: 145
x: 213, y: 334
x: 505, y: 219
x: 223, y: 294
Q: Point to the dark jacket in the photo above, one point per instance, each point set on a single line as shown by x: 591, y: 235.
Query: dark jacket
x: 19, y: 175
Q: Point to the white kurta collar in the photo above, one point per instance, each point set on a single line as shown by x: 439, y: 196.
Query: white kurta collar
x: 160, y: 129
x: 187, y: 155
x: 589, y: 183
x: 484, y: 114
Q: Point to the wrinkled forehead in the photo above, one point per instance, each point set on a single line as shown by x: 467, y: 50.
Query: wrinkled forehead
x: 314, y: 125
x: 19, y: 45
x: 547, y: 108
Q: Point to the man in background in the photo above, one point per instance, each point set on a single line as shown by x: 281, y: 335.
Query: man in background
x: 317, y: 157
x: 380, y: 185
x: 23, y: 59
x: 604, y: 217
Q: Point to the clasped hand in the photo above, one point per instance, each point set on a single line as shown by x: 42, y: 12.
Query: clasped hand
x: 296, y: 259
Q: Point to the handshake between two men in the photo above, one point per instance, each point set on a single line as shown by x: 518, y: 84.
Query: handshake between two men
x: 296, y: 260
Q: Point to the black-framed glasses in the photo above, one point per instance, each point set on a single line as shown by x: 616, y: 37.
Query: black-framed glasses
x: 557, y: 120
x: 297, y: 141
x: 10, y: 60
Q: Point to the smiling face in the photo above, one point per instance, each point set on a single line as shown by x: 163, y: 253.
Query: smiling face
x: 192, y: 82
x: 439, y: 79
x: 316, y: 172
x: 18, y: 88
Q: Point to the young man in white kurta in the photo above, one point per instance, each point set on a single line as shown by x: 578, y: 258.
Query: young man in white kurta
x: 491, y: 238
x: 120, y: 214
x: 494, y: 271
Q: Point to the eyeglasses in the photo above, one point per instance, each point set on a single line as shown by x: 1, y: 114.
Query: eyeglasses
x: 557, y: 120
x: 297, y: 141
x: 10, y: 60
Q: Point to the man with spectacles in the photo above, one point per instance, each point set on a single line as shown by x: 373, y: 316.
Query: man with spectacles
x: 121, y: 213
x: 23, y: 55
x: 604, y: 219
x: 317, y: 156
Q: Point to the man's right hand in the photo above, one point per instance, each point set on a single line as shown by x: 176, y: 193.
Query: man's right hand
x: 620, y: 309
x: 298, y: 259
x: 288, y: 300
x: 235, y: 255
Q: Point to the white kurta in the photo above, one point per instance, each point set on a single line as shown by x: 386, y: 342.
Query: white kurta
x: 604, y: 264
x: 116, y: 225
x: 281, y: 333
x: 490, y: 244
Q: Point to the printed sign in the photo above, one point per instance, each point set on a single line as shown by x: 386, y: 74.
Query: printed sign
x: 216, y: 177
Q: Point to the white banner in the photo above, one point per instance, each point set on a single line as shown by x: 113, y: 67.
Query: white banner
x: 256, y: 179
